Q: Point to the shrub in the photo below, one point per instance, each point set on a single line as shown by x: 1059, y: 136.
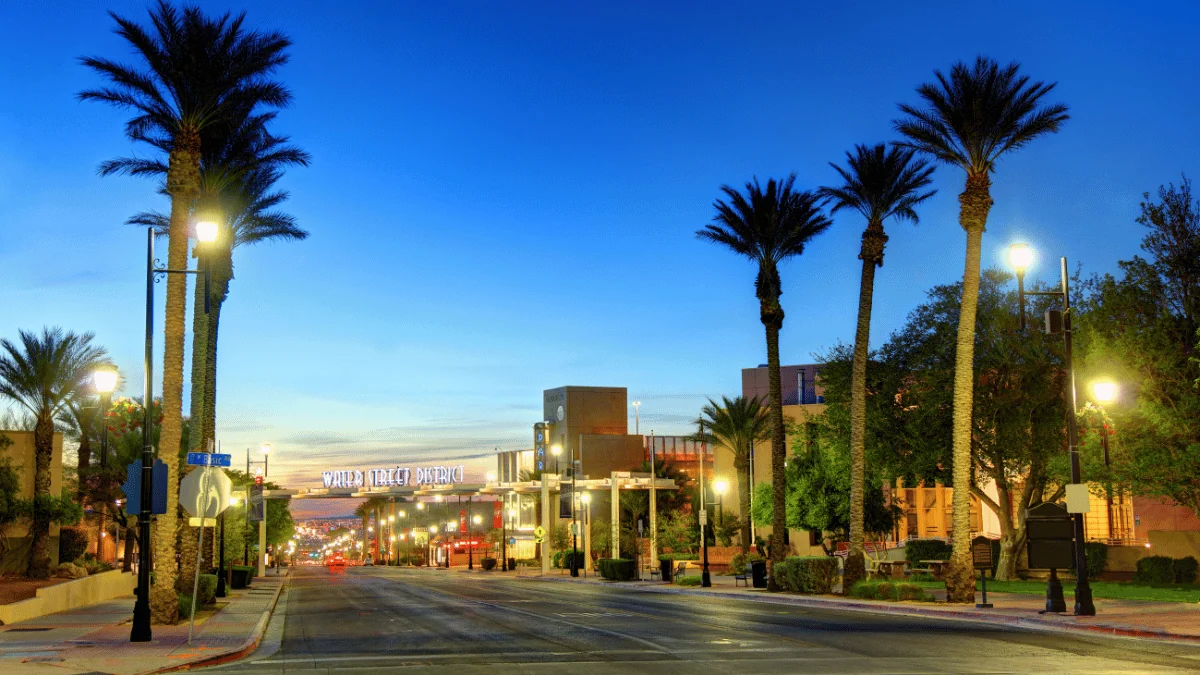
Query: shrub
x: 679, y: 556
x: 617, y: 569
x: 887, y: 590
x: 806, y: 574
x: 917, y: 550
x: 92, y: 565
x: 1185, y: 570
x: 72, y: 542
x: 1156, y: 569
x: 740, y: 563
x: 206, y: 589
x: 488, y: 564
x: 185, y: 605
x: 566, y: 559
x: 1096, y: 553
x: 911, y: 592
x: 693, y: 580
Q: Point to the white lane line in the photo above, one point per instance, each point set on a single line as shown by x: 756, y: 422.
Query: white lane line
x: 494, y: 655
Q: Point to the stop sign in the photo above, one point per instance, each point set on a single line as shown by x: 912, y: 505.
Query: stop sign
x: 216, y: 487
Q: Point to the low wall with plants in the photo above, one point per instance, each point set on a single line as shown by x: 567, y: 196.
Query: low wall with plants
x: 70, y: 595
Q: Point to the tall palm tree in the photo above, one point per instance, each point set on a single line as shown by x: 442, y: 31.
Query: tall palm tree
x: 880, y: 183
x: 971, y: 119
x: 736, y: 425
x: 197, y: 72
x: 44, y: 374
x: 363, y: 511
x: 768, y: 227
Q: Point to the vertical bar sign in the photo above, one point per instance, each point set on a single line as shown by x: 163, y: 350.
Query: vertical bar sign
x: 497, y: 514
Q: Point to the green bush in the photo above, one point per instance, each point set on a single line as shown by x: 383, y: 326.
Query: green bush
x: 617, y: 569
x: 72, y: 543
x: 566, y: 559
x: 1185, y: 570
x: 206, y: 590
x: 740, y: 563
x: 488, y: 564
x: 679, y: 556
x: 693, y: 580
x: 1156, y: 569
x: 887, y: 590
x: 1096, y: 554
x: 185, y: 605
x: 806, y: 574
x: 917, y: 550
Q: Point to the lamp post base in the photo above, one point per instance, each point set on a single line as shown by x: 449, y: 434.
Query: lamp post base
x: 141, y: 621
x: 1083, y: 600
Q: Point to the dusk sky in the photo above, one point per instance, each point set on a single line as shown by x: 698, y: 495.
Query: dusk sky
x: 503, y: 199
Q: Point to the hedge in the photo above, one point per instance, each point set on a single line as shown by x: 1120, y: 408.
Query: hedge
x: 206, y: 589
x: 1185, y: 570
x: 617, y: 569
x: 72, y: 543
x: 185, y: 605
x: 806, y: 574
x: 693, y: 580
x: 488, y: 564
x: 1096, y: 554
x: 917, y: 550
x: 887, y: 590
x: 1156, y: 569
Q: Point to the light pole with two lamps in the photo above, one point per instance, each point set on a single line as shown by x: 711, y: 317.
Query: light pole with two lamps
x: 265, y: 448
x: 1021, y: 256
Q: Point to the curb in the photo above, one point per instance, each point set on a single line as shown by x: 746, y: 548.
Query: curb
x: 913, y: 610
x: 246, y: 649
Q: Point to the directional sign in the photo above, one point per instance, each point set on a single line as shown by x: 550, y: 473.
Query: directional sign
x: 208, y: 459
x: 539, y: 534
x: 205, y: 493
x: 133, y: 488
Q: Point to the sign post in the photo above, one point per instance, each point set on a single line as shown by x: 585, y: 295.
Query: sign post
x: 205, y: 495
x: 981, y: 556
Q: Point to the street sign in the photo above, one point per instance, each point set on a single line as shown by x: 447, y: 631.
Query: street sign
x: 512, y: 541
x: 208, y: 459
x: 981, y: 553
x: 132, y: 487
x: 205, y: 493
x: 257, y: 507
x: 703, y: 517
x: 564, y: 500
x: 1078, y: 499
x: 539, y: 534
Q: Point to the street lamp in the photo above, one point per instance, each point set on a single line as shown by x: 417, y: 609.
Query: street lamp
x: 556, y: 450
x: 720, y: 486
x: 637, y: 417
x: 1105, y: 392
x: 586, y: 498
x: 104, y: 381
x: 1021, y: 256
x: 140, y: 629
x: 705, y: 577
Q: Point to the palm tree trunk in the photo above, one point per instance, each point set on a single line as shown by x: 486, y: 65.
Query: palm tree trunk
x: 873, y: 241
x: 43, y: 453
x: 85, y: 459
x: 743, y: 477
x: 183, y: 184
x: 975, y: 203
x: 772, y: 318
x: 130, y: 536
x: 196, y: 439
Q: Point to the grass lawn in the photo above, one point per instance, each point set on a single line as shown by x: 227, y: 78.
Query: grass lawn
x: 1113, y: 590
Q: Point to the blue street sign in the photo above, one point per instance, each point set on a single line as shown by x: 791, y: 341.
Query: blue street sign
x: 208, y: 459
x: 133, y: 490
x: 512, y: 541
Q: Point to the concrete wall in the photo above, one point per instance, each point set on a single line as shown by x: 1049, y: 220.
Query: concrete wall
x: 70, y: 595
x: 1174, y: 544
x: 1152, y: 514
x: 21, y: 456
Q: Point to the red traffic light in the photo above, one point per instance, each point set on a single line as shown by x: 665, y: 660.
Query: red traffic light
x: 258, y: 480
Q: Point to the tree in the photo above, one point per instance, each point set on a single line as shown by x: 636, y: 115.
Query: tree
x: 768, y: 227
x: 44, y: 374
x: 1141, y: 330
x: 879, y: 183
x: 973, y: 118
x: 736, y: 425
x: 197, y: 73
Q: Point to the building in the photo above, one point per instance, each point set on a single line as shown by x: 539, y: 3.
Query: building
x: 20, y: 452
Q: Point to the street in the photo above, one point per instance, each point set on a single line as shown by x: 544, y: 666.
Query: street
x: 378, y: 619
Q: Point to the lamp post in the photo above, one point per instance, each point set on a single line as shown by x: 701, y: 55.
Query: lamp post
x: 575, y: 465
x: 637, y: 418
x: 556, y: 450
x: 1021, y: 256
x: 104, y: 381
x: 470, y: 529
x: 720, y: 486
x: 429, y: 549
x: 391, y: 526
x: 206, y: 233
x: 705, y: 578
x: 265, y: 448
x: 222, y: 582
x: 586, y: 498
x: 1105, y: 392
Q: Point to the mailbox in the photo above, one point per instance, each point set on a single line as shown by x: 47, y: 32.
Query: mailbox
x: 1051, y: 537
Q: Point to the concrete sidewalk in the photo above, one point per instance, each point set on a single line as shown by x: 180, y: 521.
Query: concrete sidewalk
x: 96, y: 639
x: 1172, y: 621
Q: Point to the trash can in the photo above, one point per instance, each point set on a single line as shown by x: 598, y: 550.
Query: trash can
x: 512, y: 564
x: 665, y: 568
x: 758, y: 573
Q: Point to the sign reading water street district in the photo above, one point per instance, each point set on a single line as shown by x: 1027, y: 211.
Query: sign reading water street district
x: 208, y: 459
x: 399, y: 477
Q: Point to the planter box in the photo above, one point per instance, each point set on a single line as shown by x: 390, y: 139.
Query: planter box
x: 70, y: 595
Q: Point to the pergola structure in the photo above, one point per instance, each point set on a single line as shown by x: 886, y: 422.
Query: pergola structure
x: 617, y: 481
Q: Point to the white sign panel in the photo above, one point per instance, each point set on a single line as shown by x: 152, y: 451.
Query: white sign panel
x: 394, y: 477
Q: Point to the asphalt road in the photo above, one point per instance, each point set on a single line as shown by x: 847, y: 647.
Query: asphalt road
x: 373, y: 620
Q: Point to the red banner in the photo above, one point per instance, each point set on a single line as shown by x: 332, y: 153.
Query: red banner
x: 462, y: 521
x: 498, y: 515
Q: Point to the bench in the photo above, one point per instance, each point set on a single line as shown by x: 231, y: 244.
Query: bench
x: 744, y: 578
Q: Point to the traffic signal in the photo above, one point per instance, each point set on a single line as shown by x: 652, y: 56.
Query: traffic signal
x: 258, y: 480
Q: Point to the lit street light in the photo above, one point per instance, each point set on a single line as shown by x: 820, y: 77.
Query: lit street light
x: 140, y: 627
x: 720, y: 486
x: 104, y: 381
x: 1021, y: 256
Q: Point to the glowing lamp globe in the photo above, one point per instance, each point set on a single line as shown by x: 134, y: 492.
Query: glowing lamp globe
x: 720, y: 486
x: 206, y: 231
x: 1105, y: 391
x: 1020, y: 256
x: 104, y: 379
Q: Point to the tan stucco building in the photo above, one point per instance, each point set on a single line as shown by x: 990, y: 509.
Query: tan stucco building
x: 21, y: 456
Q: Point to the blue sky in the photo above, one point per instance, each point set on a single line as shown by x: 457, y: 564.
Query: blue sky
x: 503, y: 198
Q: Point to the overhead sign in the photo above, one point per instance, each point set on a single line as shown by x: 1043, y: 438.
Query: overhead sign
x: 205, y: 493
x: 208, y: 459
x: 399, y: 476
x: 132, y: 487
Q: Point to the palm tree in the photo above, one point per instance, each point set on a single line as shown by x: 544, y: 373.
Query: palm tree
x: 973, y: 117
x: 880, y: 183
x: 198, y: 73
x: 44, y: 374
x: 363, y: 511
x: 768, y: 227
x: 736, y: 425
